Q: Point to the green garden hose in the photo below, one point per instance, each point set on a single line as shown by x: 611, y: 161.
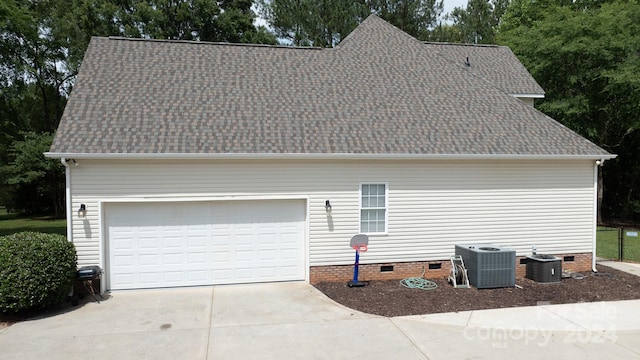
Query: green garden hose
x: 418, y: 283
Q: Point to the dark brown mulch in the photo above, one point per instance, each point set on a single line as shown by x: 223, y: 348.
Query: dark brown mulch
x: 8, y: 319
x: 389, y: 298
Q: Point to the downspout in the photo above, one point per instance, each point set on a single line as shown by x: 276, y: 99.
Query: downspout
x: 67, y: 197
x: 597, y: 164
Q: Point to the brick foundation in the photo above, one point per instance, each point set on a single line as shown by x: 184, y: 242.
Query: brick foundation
x: 581, y: 263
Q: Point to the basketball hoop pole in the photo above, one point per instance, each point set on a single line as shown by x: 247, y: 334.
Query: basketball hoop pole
x: 358, y: 243
x: 355, y: 282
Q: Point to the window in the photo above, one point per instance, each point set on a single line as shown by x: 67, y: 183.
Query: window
x: 373, y: 208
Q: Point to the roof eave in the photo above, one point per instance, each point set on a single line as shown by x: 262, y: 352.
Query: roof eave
x: 535, y: 96
x: 318, y: 156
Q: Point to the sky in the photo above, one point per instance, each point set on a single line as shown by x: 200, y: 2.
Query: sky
x: 450, y: 4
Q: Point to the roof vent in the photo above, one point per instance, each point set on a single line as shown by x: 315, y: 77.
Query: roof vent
x: 467, y: 63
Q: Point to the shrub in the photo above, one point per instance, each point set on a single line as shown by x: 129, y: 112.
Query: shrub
x: 36, y: 271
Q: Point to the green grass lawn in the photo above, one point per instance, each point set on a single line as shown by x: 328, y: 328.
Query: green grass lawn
x: 607, y: 244
x: 13, y: 223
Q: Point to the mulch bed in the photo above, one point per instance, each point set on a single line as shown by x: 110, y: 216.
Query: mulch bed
x: 389, y: 298
x: 7, y: 319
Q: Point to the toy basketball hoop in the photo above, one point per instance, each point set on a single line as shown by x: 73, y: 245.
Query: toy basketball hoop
x: 360, y: 244
x: 360, y: 248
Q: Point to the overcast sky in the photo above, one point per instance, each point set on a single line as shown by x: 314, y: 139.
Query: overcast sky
x: 450, y: 4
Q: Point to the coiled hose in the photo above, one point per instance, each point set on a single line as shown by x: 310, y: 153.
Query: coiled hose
x: 418, y: 282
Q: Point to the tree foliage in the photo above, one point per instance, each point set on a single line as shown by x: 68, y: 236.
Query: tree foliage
x: 325, y: 23
x: 586, y: 56
x: 476, y: 23
x: 415, y: 17
x: 322, y: 23
x: 42, y: 43
x: 33, y: 183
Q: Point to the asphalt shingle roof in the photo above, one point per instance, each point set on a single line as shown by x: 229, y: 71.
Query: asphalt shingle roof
x: 379, y: 92
x: 496, y: 64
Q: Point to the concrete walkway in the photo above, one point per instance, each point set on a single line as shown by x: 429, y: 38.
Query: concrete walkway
x: 296, y: 321
x: 631, y: 268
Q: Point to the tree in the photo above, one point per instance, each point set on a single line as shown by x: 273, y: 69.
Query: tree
x: 524, y: 13
x: 36, y: 79
x: 235, y: 24
x: 32, y: 55
x: 322, y: 23
x: 42, y: 43
x: 586, y: 58
x: 416, y: 17
x: 325, y: 23
x: 204, y: 20
x: 34, y: 177
x: 446, y: 32
x: 478, y: 22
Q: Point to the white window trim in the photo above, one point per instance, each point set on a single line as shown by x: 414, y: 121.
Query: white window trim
x: 386, y: 206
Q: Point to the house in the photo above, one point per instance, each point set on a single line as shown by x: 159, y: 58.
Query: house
x: 193, y: 163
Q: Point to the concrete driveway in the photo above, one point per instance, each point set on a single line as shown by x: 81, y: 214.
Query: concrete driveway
x: 295, y: 321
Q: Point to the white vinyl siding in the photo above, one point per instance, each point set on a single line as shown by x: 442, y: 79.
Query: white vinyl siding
x: 373, y: 208
x: 433, y: 204
x: 527, y: 100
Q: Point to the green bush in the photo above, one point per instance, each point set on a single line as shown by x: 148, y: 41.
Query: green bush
x: 36, y: 271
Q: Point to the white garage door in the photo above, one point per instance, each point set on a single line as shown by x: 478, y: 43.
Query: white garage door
x: 169, y: 244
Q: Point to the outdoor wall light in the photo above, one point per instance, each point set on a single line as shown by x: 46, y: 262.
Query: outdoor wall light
x: 82, y: 211
x: 327, y: 206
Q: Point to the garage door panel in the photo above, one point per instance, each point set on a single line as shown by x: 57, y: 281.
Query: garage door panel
x: 267, y: 240
x: 197, y: 258
x: 181, y: 244
x: 291, y: 255
x: 246, y: 240
x: 220, y: 256
x: 123, y: 260
x: 123, y: 244
x: 149, y: 278
x: 221, y: 276
x: 148, y: 259
x: 267, y: 256
x: 172, y: 242
x: 244, y: 256
x: 197, y: 242
x: 197, y: 276
x: 123, y: 280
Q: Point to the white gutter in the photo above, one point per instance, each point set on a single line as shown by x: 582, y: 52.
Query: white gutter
x: 597, y: 164
x: 533, y: 96
x: 67, y: 197
x: 319, y: 156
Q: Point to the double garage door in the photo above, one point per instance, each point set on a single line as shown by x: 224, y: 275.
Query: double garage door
x: 169, y: 244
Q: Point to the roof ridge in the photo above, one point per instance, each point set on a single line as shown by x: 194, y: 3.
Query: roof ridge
x: 384, y: 94
x: 199, y: 42
x: 371, y: 18
x: 463, y: 44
